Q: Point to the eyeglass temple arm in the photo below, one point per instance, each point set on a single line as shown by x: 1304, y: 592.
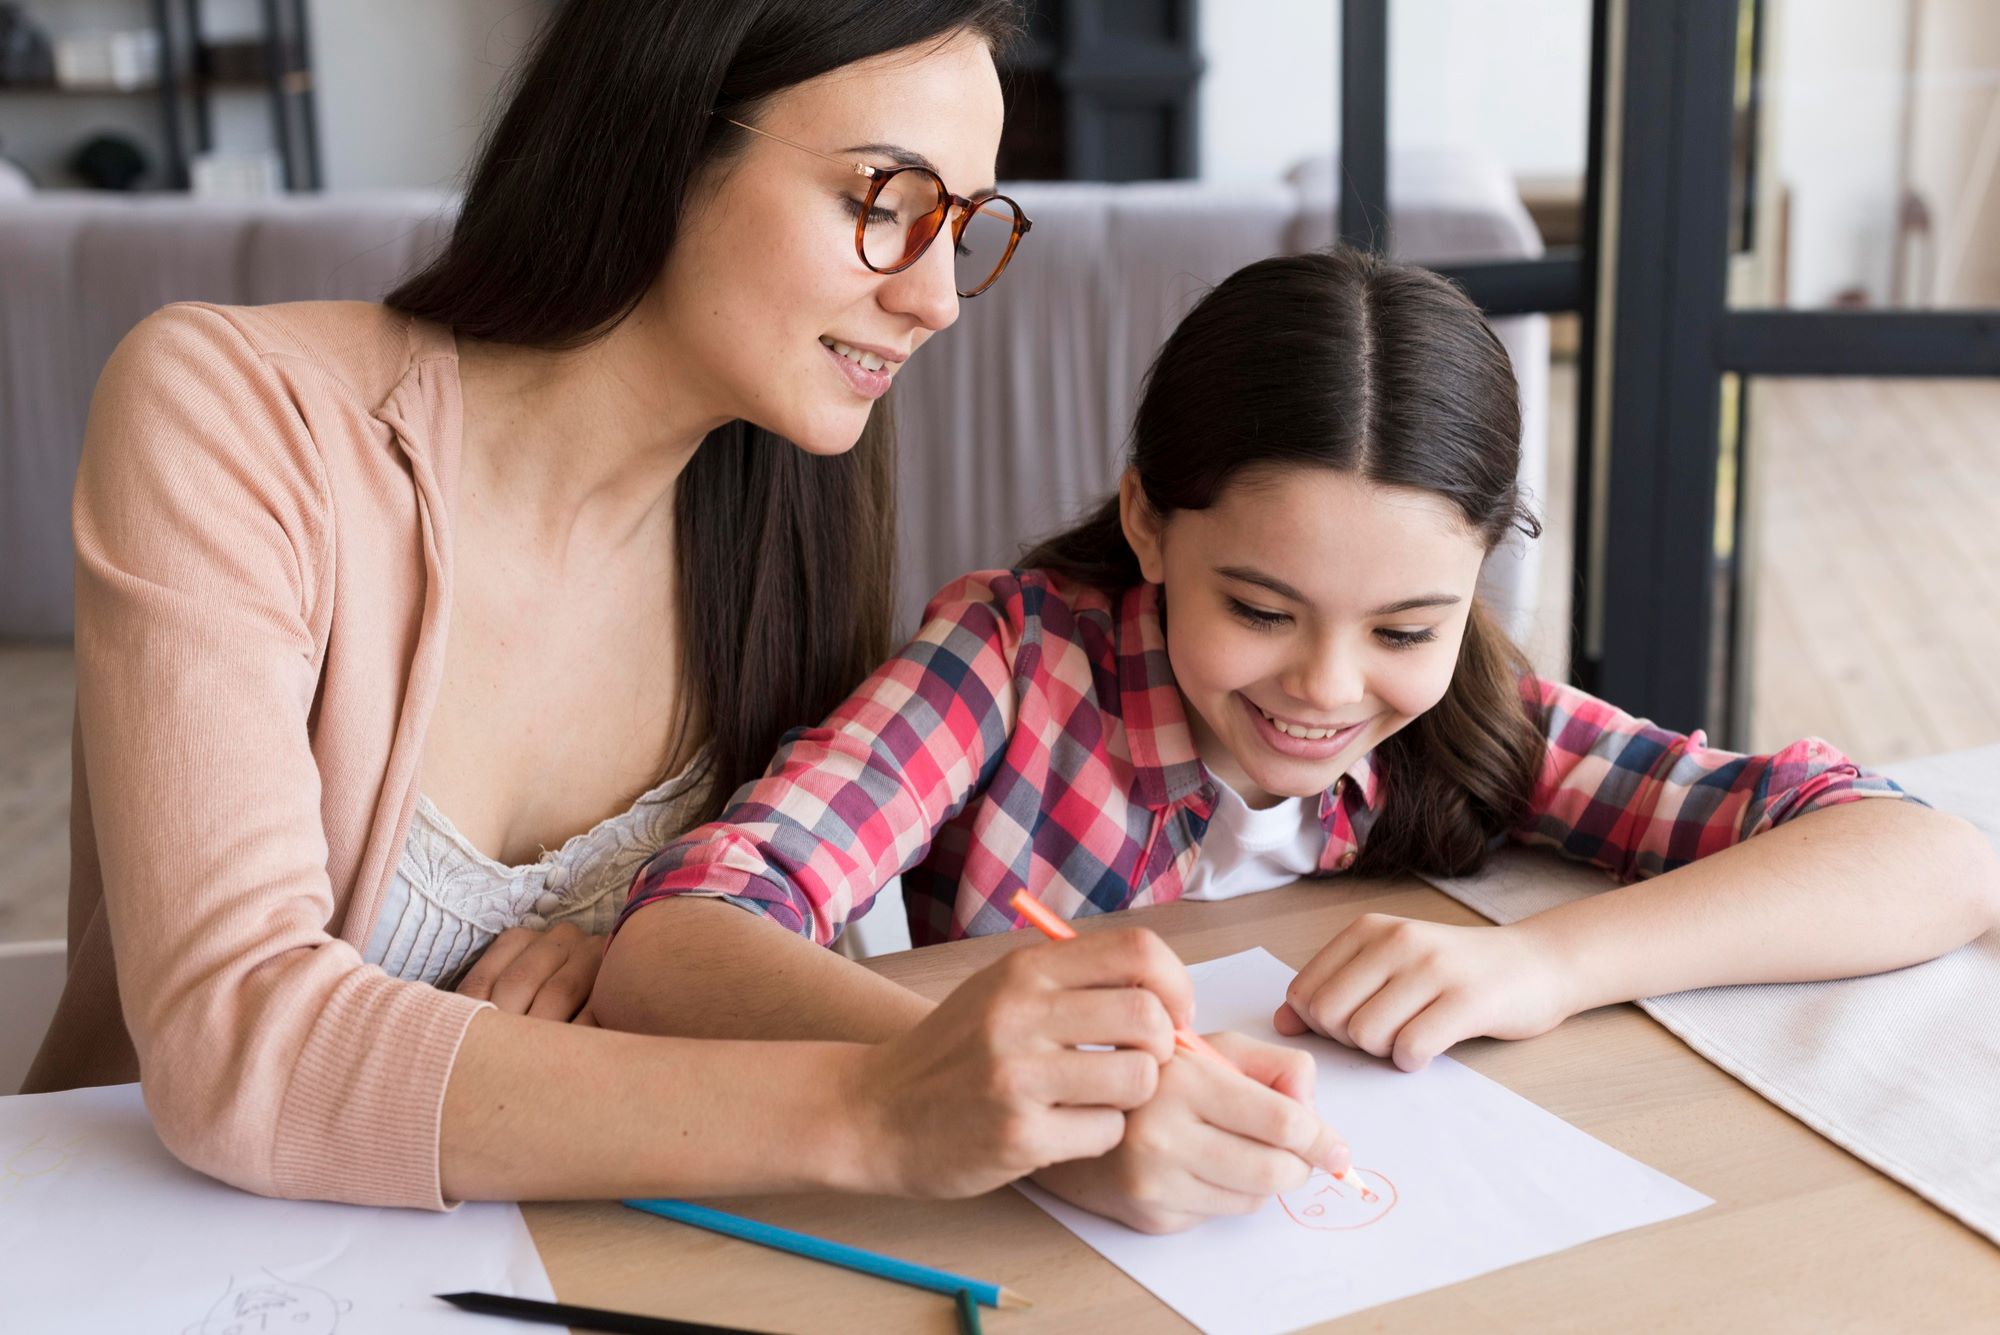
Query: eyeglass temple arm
x: 858, y: 168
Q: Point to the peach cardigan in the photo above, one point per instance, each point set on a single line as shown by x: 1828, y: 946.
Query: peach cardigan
x: 263, y: 582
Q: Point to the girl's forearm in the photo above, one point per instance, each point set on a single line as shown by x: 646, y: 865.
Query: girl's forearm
x: 542, y: 1111
x: 703, y: 968
x: 1847, y: 890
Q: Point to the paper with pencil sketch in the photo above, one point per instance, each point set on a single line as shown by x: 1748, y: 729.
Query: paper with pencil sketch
x: 1467, y: 1177
x: 102, y: 1230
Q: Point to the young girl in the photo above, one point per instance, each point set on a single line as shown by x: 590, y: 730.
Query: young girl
x: 1264, y: 659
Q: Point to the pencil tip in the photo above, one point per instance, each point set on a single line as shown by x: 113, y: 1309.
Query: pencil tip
x: 1009, y: 1298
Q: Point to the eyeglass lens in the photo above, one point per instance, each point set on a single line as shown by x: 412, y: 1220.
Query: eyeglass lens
x: 909, y: 209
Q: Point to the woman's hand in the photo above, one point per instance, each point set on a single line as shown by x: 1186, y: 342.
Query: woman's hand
x: 1212, y: 1141
x: 546, y: 975
x: 992, y: 1086
x: 1408, y: 989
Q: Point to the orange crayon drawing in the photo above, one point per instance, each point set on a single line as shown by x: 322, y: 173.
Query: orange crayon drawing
x: 37, y: 1158
x: 1328, y: 1205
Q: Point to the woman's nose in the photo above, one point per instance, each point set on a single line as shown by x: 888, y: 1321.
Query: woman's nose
x: 927, y: 291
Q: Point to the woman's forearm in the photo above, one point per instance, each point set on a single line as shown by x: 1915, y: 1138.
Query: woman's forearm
x: 537, y: 1110
x: 1853, y: 889
x: 702, y: 968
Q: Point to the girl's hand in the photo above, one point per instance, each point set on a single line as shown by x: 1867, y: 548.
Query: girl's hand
x: 546, y: 975
x: 1407, y: 989
x: 1211, y: 1142
x: 991, y: 1086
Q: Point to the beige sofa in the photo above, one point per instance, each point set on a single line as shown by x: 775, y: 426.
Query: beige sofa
x: 1008, y: 425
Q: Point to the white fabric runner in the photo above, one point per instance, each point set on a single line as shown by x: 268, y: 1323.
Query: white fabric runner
x: 1900, y: 1069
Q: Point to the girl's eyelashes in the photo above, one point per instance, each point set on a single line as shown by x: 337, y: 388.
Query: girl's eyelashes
x: 1255, y: 617
x: 1258, y: 619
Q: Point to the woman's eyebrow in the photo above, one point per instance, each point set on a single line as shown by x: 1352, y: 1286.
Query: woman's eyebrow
x: 909, y: 157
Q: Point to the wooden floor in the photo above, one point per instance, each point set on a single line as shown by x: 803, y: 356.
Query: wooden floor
x: 1876, y: 571
x: 1876, y: 550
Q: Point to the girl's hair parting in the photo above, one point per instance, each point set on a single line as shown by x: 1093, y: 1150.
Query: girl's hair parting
x: 1341, y: 359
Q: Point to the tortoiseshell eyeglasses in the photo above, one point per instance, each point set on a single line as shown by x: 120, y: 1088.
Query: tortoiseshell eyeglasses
x: 904, y: 210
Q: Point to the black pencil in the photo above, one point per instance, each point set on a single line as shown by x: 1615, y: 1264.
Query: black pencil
x: 583, y: 1318
x: 968, y: 1313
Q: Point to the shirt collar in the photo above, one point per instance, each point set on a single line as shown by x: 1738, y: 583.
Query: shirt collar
x: 1165, y: 767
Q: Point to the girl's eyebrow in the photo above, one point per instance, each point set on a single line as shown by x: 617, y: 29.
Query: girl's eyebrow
x: 1251, y: 575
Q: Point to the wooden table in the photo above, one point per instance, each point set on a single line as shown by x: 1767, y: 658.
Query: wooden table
x: 1802, y: 1235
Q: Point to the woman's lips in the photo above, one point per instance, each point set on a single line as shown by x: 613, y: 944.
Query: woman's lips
x: 868, y: 384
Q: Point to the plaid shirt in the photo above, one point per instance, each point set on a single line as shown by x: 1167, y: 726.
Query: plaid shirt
x: 1032, y: 735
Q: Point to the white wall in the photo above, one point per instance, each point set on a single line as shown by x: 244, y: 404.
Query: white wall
x: 1833, y: 105
x: 1511, y: 76
x: 405, y: 88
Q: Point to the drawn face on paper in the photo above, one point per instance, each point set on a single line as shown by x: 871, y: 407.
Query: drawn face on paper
x: 272, y: 1307
x: 1329, y: 1205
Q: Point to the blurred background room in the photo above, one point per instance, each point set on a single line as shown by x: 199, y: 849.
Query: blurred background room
x: 1745, y: 255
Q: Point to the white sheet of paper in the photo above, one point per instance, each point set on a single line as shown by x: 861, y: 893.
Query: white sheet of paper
x: 1468, y: 1177
x: 102, y: 1229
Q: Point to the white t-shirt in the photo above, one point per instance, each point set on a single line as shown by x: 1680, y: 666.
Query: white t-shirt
x: 1246, y: 851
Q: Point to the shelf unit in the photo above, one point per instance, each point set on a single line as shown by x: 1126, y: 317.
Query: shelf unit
x: 276, y: 61
x: 1103, y: 90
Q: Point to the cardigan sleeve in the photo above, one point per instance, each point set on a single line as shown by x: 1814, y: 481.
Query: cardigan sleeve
x: 1637, y: 799
x: 270, y: 1055
x: 849, y: 804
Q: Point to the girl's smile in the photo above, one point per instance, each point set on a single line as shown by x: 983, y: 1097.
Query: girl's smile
x: 1310, y: 615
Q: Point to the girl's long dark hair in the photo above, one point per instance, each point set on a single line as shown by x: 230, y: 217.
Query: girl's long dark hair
x: 785, y: 561
x: 1346, y: 361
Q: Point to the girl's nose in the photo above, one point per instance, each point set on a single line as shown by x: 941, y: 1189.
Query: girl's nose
x: 1327, y: 681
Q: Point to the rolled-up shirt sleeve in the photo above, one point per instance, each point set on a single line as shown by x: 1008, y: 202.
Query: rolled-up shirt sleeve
x: 849, y: 804
x: 1638, y: 800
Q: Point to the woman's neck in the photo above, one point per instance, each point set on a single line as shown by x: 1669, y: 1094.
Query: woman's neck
x: 578, y: 449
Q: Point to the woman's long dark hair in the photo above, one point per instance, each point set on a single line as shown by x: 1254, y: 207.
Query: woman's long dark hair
x: 785, y: 561
x: 1346, y: 361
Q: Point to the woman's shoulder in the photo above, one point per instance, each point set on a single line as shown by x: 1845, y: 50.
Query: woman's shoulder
x: 357, y: 350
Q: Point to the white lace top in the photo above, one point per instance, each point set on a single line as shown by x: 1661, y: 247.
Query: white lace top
x: 447, y: 900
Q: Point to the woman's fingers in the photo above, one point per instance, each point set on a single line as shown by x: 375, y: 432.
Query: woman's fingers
x: 1123, y: 1080
x: 501, y: 952
x: 1122, y: 1017
x: 565, y: 991
x: 1128, y: 957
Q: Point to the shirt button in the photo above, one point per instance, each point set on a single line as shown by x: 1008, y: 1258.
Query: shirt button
x: 534, y: 922
x: 547, y: 902
x: 556, y: 877
x: 1346, y: 861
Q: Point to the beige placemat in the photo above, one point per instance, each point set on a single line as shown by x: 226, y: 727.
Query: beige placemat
x: 1900, y: 1069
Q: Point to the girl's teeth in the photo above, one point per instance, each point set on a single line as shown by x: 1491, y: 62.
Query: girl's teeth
x: 866, y: 360
x: 1294, y: 730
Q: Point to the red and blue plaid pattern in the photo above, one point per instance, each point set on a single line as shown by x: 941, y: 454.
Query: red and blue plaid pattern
x: 1031, y: 736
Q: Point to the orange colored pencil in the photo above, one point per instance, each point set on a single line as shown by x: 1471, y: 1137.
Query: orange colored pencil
x: 1056, y: 928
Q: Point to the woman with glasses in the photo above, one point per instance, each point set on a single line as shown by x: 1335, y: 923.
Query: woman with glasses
x: 405, y: 633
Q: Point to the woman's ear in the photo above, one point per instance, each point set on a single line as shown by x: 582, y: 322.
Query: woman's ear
x: 1142, y: 525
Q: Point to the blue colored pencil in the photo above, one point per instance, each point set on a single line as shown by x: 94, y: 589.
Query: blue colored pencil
x: 833, y: 1253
